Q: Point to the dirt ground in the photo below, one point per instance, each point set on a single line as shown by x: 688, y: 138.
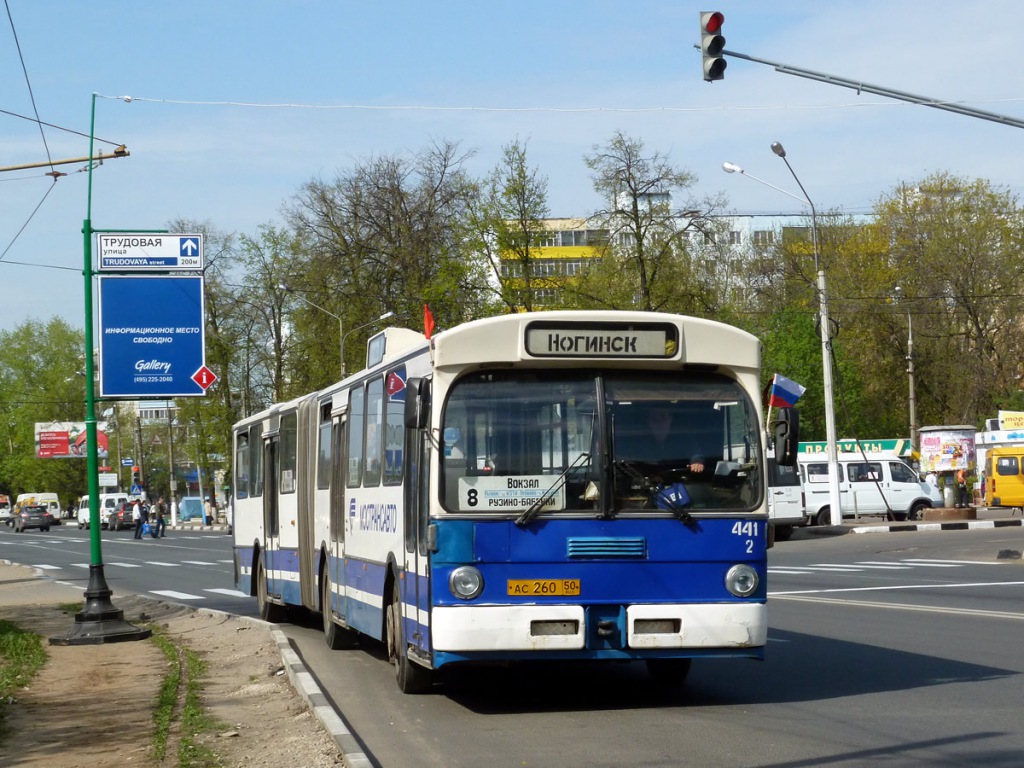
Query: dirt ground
x: 91, y: 705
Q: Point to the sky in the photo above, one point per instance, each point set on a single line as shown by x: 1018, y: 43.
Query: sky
x: 235, y: 104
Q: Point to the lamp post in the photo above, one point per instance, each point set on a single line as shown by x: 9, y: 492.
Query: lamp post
x: 910, y: 370
x: 385, y: 316
x: 341, y: 322
x: 835, y: 508
x: 99, y: 621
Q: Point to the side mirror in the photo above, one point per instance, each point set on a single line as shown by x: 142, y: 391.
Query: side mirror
x: 786, y: 436
x: 417, y: 403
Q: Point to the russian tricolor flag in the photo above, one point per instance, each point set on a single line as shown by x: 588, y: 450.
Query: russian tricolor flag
x: 785, y: 392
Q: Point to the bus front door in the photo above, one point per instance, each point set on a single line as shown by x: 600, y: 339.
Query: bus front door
x: 415, y: 586
x: 268, y: 580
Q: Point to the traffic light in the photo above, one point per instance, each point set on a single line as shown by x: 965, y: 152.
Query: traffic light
x: 136, y: 476
x: 712, y: 44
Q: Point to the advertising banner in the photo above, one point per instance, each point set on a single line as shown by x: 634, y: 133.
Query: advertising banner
x: 67, y: 439
x: 1011, y: 419
x: 152, y: 337
x: 944, y: 449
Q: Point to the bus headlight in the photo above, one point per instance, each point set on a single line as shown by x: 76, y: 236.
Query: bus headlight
x: 742, y: 580
x: 466, y: 582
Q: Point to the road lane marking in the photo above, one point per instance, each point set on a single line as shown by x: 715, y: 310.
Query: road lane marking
x: 914, y: 607
x: 896, y: 586
x: 228, y: 592
x: 163, y: 565
x: 46, y: 567
x: 197, y: 562
x: 176, y: 595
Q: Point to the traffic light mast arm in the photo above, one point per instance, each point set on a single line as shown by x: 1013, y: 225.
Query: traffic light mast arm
x: 879, y: 90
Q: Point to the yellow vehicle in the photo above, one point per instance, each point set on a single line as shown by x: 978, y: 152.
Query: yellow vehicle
x: 1004, y: 477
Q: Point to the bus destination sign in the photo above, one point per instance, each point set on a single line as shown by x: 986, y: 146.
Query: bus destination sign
x: 147, y: 251
x: 551, y: 339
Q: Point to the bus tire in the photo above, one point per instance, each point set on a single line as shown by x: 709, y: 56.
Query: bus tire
x: 783, y: 532
x: 336, y: 637
x: 668, y: 673
x: 269, y: 611
x: 411, y: 677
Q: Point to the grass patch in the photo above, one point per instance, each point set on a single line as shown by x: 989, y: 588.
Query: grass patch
x: 181, y: 697
x: 21, y: 656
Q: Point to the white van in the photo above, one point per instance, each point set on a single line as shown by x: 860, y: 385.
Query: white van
x: 869, y: 484
x: 785, y: 499
x: 108, y: 503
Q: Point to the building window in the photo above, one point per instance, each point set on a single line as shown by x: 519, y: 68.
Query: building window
x: 764, y: 237
x: 734, y: 237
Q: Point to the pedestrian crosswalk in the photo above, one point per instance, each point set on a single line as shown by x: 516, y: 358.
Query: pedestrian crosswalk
x: 864, y: 566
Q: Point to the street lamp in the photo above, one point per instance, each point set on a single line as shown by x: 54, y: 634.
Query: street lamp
x: 835, y: 509
x: 910, y: 370
x: 341, y: 322
x: 385, y: 316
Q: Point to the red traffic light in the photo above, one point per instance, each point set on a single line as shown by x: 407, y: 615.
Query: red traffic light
x: 712, y: 45
x: 712, y: 21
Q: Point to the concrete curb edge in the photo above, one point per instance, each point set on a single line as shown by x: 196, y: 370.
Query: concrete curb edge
x: 306, y: 685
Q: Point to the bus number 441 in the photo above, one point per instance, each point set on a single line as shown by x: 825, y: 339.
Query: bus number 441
x: 747, y: 528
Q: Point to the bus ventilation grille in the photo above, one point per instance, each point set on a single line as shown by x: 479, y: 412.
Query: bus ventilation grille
x: 605, y: 546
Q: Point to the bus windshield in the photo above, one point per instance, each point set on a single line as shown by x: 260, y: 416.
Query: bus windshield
x: 604, y: 442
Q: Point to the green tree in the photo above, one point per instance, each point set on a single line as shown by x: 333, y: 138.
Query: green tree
x: 647, y: 263
x: 391, y: 234
x: 41, y: 380
x: 509, y: 224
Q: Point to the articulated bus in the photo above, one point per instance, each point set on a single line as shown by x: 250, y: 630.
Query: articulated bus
x: 560, y: 485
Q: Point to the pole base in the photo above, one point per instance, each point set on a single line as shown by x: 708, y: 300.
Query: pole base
x: 100, y: 622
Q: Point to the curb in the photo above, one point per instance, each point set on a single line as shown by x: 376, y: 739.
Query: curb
x: 958, y: 525
x: 306, y: 685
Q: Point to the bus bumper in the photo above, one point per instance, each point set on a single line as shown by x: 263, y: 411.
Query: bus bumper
x: 575, y: 627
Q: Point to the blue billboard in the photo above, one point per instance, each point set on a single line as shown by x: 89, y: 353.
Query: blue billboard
x: 152, y: 336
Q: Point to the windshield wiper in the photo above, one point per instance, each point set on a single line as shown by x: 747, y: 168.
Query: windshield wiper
x: 666, y: 499
x: 534, y: 509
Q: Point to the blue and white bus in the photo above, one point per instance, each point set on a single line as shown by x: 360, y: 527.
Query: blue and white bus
x: 550, y: 485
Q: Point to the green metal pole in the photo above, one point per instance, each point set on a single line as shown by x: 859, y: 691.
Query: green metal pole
x: 99, y: 621
x: 96, y: 555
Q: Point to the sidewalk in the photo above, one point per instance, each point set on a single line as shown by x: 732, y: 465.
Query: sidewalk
x: 89, y: 706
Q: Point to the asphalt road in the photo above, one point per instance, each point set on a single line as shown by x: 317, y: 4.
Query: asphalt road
x: 188, y: 567
x: 902, y: 648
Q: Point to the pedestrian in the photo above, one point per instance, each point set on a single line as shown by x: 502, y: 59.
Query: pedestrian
x: 160, y: 524
x: 961, y: 488
x: 137, y: 518
x: 207, y: 512
x: 932, y: 479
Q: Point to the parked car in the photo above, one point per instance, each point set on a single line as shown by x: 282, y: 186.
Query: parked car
x: 120, y: 516
x: 33, y: 516
x: 5, y: 507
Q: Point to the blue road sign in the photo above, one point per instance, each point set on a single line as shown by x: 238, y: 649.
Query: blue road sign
x: 136, y: 490
x: 127, y: 462
x: 152, y: 338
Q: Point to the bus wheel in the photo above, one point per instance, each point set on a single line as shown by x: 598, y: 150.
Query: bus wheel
x: 269, y: 611
x: 411, y: 677
x: 336, y: 637
x: 668, y: 673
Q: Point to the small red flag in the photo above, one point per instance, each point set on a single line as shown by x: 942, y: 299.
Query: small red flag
x: 428, y: 322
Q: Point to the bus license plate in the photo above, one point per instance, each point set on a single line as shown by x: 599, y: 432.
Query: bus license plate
x: 543, y: 587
